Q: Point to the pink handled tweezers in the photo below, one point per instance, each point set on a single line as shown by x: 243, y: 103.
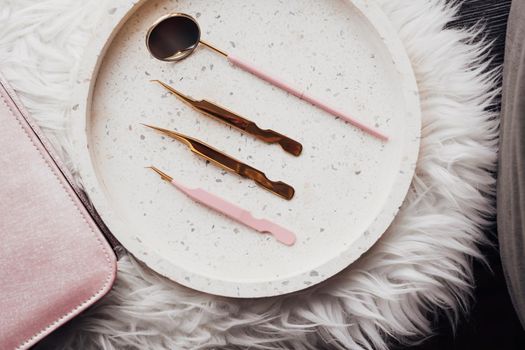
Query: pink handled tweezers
x: 231, y: 210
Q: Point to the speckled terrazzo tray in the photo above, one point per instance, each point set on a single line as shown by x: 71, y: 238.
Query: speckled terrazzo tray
x: 349, y: 186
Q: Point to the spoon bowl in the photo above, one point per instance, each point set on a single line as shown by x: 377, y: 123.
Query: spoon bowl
x: 173, y: 37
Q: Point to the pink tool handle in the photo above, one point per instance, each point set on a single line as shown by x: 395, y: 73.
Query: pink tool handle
x: 238, y: 62
x: 234, y: 212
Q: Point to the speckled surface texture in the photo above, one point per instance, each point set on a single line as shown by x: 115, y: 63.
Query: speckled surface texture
x: 349, y: 185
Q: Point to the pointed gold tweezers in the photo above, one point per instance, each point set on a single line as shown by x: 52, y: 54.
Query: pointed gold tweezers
x: 217, y: 157
x: 233, y: 119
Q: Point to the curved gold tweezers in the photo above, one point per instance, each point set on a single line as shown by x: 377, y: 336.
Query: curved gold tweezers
x: 233, y: 119
x: 217, y: 157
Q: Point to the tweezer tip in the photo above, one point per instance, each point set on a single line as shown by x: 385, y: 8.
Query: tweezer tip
x: 163, y: 175
x: 166, y: 131
x: 149, y: 126
x: 161, y: 83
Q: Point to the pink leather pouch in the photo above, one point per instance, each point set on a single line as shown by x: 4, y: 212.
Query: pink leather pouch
x: 54, y: 260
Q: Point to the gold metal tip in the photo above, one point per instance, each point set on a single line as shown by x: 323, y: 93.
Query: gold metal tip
x: 214, y: 48
x: 155, y: 128
x: 176, y: 92
x: 163, y: 175
x: 158, y: 82
x: 173, y: 134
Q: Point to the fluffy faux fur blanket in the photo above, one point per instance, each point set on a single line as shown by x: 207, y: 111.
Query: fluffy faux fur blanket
x: 422, y: 264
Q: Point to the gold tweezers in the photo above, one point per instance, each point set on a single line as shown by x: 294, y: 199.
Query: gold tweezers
x: 217, y: 157
x: 233, y: 119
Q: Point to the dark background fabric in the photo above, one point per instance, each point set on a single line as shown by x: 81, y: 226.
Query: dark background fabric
x: 492, y: 323
x: 493, y: 14
x: 511, y: 175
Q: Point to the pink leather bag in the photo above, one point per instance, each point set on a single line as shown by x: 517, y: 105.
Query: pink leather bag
x: 54, y: 260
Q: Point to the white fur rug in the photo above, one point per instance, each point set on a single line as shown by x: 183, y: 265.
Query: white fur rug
x: 422, y: 265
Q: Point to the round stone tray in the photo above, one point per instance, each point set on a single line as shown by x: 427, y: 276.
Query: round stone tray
x: 349, y: 185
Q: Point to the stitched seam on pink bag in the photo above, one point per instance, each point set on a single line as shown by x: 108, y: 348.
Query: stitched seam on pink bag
x: 108, y: 278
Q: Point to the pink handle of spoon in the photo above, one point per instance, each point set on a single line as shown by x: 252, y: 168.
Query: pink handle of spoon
x: 236, y: 213
x: 238, y: 62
